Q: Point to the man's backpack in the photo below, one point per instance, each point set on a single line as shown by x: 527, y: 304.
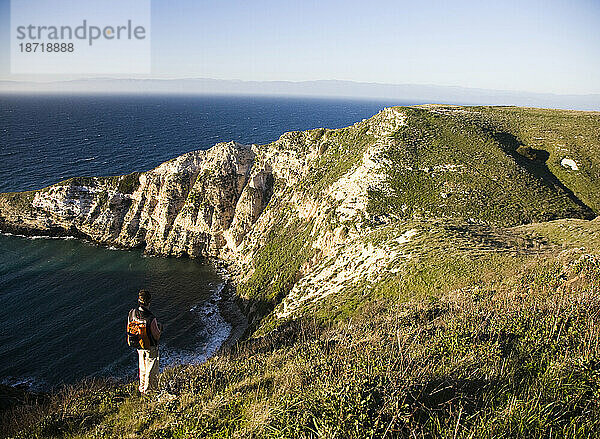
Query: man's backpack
x: 139, y: 335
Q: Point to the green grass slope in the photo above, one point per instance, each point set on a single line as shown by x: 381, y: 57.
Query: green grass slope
x: 461, y: 164
x: 561, y: 134
x: 473, y: 164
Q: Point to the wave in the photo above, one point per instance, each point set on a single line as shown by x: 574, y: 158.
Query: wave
x: 30, y: 383
x: 34, y: 237
x: 87, y: 159
x: 64, y: 238
x: 215, y: 332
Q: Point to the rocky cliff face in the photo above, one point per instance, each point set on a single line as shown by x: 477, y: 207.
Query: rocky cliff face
x: 203, y: 203
x: 182, y: 207
x: 299, y: 215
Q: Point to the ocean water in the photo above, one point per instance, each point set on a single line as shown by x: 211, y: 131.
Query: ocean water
x: 63, y: 303
x: 45, y: 139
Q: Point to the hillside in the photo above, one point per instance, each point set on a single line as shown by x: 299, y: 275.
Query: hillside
x: 430, y: 271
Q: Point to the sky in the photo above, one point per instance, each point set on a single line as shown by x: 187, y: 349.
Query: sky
x: 546, y: 46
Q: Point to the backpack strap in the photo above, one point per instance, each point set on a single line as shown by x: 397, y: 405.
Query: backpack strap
x: 149, y: 321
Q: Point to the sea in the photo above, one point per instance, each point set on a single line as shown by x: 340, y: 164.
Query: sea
x: 64, y: 302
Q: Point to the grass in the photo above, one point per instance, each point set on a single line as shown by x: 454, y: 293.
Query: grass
x: 566, y: 232
x: 277, y: 264
x: 468, y: 167
x: 125, y: 184
x: 339, y: 151
x: 20, y: 201
x: 561, y: 134
x: 508, y: 348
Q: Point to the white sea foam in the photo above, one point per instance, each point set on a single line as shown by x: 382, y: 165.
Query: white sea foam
x: 64, y: 238
x: 214, y: 332
x: 18, y: 235
x: 30, y: 383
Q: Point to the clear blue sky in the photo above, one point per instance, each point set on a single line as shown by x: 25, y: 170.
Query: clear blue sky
x: 529, y: 45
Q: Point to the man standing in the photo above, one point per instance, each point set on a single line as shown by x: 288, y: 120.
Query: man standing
x: 143, y: 333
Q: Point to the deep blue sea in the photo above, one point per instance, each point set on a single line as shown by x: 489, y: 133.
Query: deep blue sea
x: 63, y: 303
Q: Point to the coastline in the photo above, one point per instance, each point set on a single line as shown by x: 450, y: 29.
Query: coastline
x: 231, y: 323
x: 228, y: 306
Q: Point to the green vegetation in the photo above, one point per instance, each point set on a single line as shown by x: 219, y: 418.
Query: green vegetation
x: 20, y: 200
x: 277, y: 265
x: 278, y: 262
x: 339, y: 150
x: 465, y: 165
x: 566, y: 233
x: 484, y: 324
x: 561, y: 134
x: 505, y: 346
x: 81, y: 181
x: 126, y: 184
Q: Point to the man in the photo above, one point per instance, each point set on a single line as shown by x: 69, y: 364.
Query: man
x: 143, y: 333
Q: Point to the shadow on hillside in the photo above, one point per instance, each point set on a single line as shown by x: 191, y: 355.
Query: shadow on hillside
x: 438, y: 395
x: 535, y: 161
x: 284, y: 336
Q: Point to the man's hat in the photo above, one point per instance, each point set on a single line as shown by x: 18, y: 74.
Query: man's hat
x: 144, y: 297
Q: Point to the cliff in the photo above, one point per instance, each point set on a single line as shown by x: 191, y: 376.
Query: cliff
x: 315, y: 212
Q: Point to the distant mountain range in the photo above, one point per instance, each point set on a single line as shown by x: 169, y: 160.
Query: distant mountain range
x: 322, y: 88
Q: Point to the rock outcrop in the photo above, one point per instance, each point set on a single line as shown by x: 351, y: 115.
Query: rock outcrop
x: 182, y: 207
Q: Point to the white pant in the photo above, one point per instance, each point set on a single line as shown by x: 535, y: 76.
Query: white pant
x: 148, y: 360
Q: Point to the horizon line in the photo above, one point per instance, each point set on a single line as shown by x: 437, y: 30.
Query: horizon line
x: 273, y: 81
